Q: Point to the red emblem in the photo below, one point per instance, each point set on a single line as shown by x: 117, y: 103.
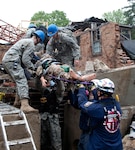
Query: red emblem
x: 112, y: 121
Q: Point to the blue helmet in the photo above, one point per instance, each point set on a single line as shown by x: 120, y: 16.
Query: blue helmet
x: 31, y: 25
x: 40, y: 34
x: 52, y: 30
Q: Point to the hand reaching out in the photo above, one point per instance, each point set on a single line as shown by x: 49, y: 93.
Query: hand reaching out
x: 43, y: 81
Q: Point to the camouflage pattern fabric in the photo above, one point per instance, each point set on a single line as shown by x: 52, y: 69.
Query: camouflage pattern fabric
x: 29, y: 33
x: 65, y: 49
x: 57, y: 71
x: 12, y: 61
x: 39, y: 47
x: 51, y: 132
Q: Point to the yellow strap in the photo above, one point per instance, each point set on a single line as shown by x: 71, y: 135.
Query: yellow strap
x: 1, y: 96
x: 117, y: 97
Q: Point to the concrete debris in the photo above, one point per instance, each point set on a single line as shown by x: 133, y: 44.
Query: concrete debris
x: 96, y: 66
x: 128, y: 143
x: 100, y: 66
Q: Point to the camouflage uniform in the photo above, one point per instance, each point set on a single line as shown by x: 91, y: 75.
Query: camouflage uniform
x: 15, y: 60
x: 50, y: 127
x: 57, y: 71
x: 65, y: 49
x: 39, y: 47
x: 28, y: 34
x: 51, y: 132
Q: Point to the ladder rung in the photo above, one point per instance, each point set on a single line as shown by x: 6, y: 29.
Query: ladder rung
x: 19, y: 141
x: 17, y: 122
x: 10, y: 112
x: 6, y: 109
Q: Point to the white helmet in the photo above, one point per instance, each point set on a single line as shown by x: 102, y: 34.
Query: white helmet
x: 106, y: 85
x: 95, y: 82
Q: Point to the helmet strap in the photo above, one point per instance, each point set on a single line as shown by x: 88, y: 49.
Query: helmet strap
x: 105, y: 94
x: 38, y: 39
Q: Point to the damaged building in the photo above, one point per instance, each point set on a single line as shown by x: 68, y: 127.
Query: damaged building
x: 102, y: 40
x: 103, y: 47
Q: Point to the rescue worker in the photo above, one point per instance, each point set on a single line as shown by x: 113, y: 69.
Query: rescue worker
x: 63, y: 46
x: 16, y: 59
x: 49, y: 67
x: 50, y: 125
x: 99, y: 119
x: 31, y: 29
x: 52, y: 96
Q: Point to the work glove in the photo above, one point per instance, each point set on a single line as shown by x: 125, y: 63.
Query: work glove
x: 80, y: 86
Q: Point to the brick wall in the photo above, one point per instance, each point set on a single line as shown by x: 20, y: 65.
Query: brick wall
x: 112, y: 53
x: 3, y: 49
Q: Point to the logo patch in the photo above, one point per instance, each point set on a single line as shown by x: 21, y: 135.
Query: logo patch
x: 111, y: 120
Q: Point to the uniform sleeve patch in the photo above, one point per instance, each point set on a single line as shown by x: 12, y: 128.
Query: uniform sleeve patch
x: 87, y: 104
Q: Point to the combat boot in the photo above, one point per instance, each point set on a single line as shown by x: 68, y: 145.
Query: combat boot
x: 26, y: 107
x: 17, y: 102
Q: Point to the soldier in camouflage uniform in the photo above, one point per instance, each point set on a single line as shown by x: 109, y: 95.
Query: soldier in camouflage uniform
x: 65, y: 50
x: 63, y: 46
x: 50, y: 126
x: 17, y: 58
x: 31, y: 29
x: 51, y: 130
x: 48, y: 67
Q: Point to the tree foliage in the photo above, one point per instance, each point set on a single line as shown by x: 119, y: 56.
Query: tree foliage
x: 115, y: 16
x: 56, y: 17
x: 129, y: 12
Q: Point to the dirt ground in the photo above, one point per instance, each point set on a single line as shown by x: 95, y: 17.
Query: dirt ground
x: 19, y: 132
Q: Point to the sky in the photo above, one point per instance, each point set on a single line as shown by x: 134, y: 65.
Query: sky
x: 19, y: 12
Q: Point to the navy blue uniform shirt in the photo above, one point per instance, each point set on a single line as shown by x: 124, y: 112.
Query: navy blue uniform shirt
x: 97, y: 134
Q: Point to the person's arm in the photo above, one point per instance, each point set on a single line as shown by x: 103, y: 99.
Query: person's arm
x: 43, y: 81
x: 27, y: 57
x: 83, y: 102
x: 49, y: 47
x: 39, y: 73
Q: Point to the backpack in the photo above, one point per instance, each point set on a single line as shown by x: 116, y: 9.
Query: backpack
x: 44, y: 29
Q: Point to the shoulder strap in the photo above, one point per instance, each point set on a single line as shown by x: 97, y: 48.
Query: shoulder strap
x: 47, y: 62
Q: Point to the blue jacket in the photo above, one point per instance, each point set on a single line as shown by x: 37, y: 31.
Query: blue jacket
x: 95, y: 135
